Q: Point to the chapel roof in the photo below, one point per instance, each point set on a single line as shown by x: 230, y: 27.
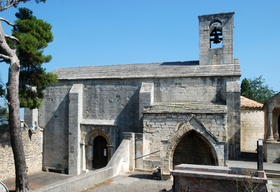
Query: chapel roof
x: 148, y: 70
x: 249, y: 103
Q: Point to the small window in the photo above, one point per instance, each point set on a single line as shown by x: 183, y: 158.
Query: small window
x: 216, y: 36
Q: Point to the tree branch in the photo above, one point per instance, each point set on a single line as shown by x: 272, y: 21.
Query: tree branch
x: 5, y: 57
x: 9, y: 4
x: 8, y: 22
x: 1, y: 61
x: 12, y: 37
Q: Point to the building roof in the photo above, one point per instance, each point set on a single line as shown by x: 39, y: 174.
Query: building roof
x: 249, y: 103
x: 272, y: 98
x: 148, y: 70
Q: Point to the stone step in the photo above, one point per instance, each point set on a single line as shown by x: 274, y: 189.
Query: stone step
x: 272, y: 173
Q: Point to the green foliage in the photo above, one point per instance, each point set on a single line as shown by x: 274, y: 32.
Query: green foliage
x: 4, y: 116
x: 34, y: 35
x: 37, y: 1
x: 256, y: 89
x: 245, y: 89
x: 2, y: 89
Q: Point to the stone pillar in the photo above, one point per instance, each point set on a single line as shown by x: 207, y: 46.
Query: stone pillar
x: 146, y: 98
x: 110, y: 151
x: 139, y: 150
x: 131, y: 137
x: 89, y: 155
x: 164, y: 158
x: 75, y: 116
x: 31, y: 118
x: 233, y: 117
x: 270, y: 126
x: 83, y: 153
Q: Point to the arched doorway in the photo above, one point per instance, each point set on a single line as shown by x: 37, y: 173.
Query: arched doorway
x: 193, y: 149
x: 100, y: 152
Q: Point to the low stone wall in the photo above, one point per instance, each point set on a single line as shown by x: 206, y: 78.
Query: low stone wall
x: 272, y: 152
x: 213, y: 178
x: 119, y: 163
x: 32, y: 141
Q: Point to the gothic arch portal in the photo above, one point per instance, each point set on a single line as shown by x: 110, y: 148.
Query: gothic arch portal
x: 193, y: 148
x: 193, y: 126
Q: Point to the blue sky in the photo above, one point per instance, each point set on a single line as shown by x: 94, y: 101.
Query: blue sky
x: 95, y: 32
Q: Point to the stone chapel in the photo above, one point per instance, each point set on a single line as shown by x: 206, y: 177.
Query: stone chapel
x: 175, y: 112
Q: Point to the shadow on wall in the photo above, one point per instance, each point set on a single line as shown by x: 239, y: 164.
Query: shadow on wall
x: 220, y: 96
x: 55, y: 148
x: 233, y: 149
x: 128, y: 118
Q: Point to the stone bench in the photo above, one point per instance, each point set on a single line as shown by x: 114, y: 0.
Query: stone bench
x: 55, y: 169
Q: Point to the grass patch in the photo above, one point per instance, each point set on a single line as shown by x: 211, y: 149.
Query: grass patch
x: 99, y: 184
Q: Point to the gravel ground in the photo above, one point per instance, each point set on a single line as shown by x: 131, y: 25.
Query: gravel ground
x: 136, y: 181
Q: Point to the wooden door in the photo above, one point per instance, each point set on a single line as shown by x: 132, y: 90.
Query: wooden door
x: 100, y: 151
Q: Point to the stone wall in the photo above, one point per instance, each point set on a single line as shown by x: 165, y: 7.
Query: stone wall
x: 113, y: 100
x: 120, y: 101
x: 32, y: 141
x: 54, y: 118
x: 159, y: 127
x: 252, y: 128
x: 195, y: 89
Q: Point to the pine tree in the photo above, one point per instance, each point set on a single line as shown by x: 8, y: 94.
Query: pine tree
x: 9, y: 55
x: 34, y: 35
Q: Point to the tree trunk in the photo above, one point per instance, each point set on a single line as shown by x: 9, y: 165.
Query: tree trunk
x: 9, y: 54
x: 15, y: 130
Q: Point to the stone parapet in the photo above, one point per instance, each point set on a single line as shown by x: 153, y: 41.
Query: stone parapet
x: 207, y: 178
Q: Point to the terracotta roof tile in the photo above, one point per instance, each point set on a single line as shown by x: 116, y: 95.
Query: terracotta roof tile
x: 250, y: 104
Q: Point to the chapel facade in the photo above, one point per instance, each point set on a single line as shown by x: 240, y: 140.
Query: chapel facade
x: 176, y: 112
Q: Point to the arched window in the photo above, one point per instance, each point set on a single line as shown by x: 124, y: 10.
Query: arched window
x: 216, y: 36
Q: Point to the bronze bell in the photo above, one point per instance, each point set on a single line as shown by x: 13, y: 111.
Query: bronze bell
x: 216, y: 37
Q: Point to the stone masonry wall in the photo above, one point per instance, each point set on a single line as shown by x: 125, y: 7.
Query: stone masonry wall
x: 159, y: 127
x: 32, y: 149
x: 53, y: 117
x: 252, y: 128
x: 208, y: 89
x: 116, y: 100
x: 113, y: 100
